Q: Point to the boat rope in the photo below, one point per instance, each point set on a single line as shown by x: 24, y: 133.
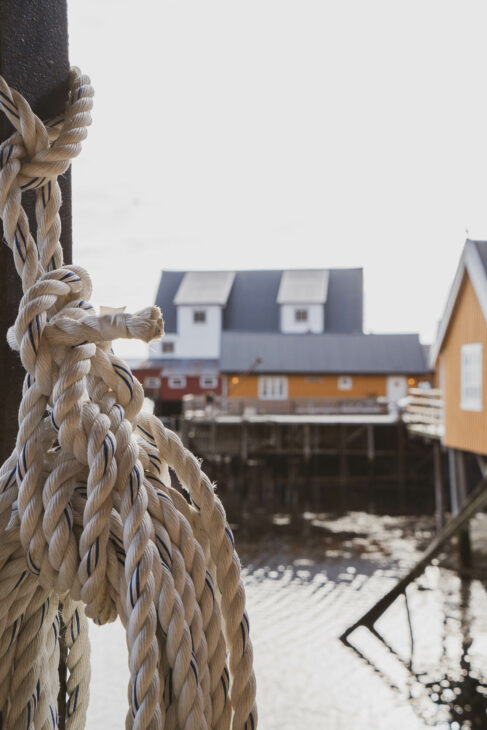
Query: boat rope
x: 91, y: 523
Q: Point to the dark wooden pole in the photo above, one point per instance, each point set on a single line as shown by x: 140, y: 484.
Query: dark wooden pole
x: 439, y: 498
x: 34, y: 60
x: 475, y: 502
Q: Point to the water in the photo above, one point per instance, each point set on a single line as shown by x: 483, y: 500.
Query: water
x: 307, y: 579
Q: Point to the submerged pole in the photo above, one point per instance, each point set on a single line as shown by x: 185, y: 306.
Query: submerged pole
x: 33, y: 60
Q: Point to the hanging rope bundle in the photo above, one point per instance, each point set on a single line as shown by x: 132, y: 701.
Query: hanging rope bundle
x: 89, y: 522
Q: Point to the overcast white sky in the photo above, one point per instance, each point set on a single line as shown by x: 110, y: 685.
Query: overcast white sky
x: 279, y: 133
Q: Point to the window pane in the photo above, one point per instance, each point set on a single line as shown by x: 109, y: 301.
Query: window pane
x: 471, y: 377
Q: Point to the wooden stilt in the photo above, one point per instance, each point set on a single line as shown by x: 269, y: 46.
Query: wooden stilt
x: 401, y: 462
x: 307, y: 442
x: 370, y: 442
x: 475, y: 502
x: 452, y: 473
x: 244, y: 442
x: 464, y: 547
x: 439, y: 499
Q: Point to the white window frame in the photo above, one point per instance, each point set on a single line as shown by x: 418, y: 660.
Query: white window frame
x: 471, y: 360
x: 273, y: 387
x: 345, y: 382
x: 298, y: 314
x: 176, y: 382
x: 209, y: 381
x: 167, y: 344
x: 197, y: 319
x: 152, y: 382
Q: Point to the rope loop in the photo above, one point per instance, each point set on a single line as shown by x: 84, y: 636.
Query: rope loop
x: 91, y: 522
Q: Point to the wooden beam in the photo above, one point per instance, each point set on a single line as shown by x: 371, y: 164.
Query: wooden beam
x: 439, y: 497
x: 34, y: 60
x: 464, y: 547
x: 475, y: 502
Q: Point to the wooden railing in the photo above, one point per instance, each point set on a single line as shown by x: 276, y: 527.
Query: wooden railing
x: 199, y: 406
x: 424, y: 412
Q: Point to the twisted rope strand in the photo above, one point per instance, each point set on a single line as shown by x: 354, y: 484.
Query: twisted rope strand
x: 90, y: 524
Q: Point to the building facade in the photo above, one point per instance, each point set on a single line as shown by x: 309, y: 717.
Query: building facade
x: 274, y: 336
x: 460, y: 354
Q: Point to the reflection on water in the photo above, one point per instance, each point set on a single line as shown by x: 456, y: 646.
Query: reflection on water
x: 307, y: 579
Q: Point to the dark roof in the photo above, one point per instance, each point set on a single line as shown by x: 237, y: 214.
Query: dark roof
x: 183, y: 366
x: 473, y: 263
x: 252, y: 305
x: 168, y: 286
x: 327, y: 353
x: 481, y: 247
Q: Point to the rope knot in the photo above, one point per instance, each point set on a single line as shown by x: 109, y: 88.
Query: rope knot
x: 88, y: 516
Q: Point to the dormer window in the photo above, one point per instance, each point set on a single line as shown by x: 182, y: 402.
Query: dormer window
x: 199, y: 316
x: 300, y: 315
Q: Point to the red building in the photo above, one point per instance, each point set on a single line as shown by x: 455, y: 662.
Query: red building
x: 166, y: 383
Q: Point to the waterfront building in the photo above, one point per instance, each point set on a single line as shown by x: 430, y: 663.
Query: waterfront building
x: 275, y: 341
x: 459, y: 354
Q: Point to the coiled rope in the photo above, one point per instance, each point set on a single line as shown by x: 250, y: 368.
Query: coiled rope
x: 89, y: 522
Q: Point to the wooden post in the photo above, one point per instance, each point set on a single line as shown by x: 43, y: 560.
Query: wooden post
x: 464, y: 548
x: 452, y: 473
x: 244, y: 442
x: 370, y: 442
x: 458, y: 495
x: 476, y: 501
x: 401, y: 462
x: 33, y: 60
x: 439, y: 501
x: 307, y: 441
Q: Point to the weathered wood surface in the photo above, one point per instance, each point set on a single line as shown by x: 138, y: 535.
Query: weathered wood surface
x: 34, y: 60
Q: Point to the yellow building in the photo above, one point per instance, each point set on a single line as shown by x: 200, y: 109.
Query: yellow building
x: 459, y: 353
x: 282, y: 368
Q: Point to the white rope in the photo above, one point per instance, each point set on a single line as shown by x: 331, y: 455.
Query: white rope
x: 89, y: 522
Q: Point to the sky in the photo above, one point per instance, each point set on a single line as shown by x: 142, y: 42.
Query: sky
x: 282, y: 134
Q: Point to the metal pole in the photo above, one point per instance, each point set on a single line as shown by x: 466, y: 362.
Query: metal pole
x: 34, y: 60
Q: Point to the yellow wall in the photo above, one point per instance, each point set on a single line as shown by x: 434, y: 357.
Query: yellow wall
x: 308, y: 386
x: 463, y: 429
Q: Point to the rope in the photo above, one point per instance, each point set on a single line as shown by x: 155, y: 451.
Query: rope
x: 90, y: 524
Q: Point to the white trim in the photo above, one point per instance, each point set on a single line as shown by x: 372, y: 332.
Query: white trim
x: 209, y: 381
x: 176, y: 382
x: 471, y: 360
x: 152, y: 382
x: 471, y: 263
x: 273, y: 387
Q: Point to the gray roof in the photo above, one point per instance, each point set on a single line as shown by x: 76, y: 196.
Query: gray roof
x: 481, y: 247
x: 300, y: 286
x: 184, y: 366
x: 473, y: 262
x: 168, y: 286
x: 205, y: 287
x: 326, y: 353
x: 252, y: 304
